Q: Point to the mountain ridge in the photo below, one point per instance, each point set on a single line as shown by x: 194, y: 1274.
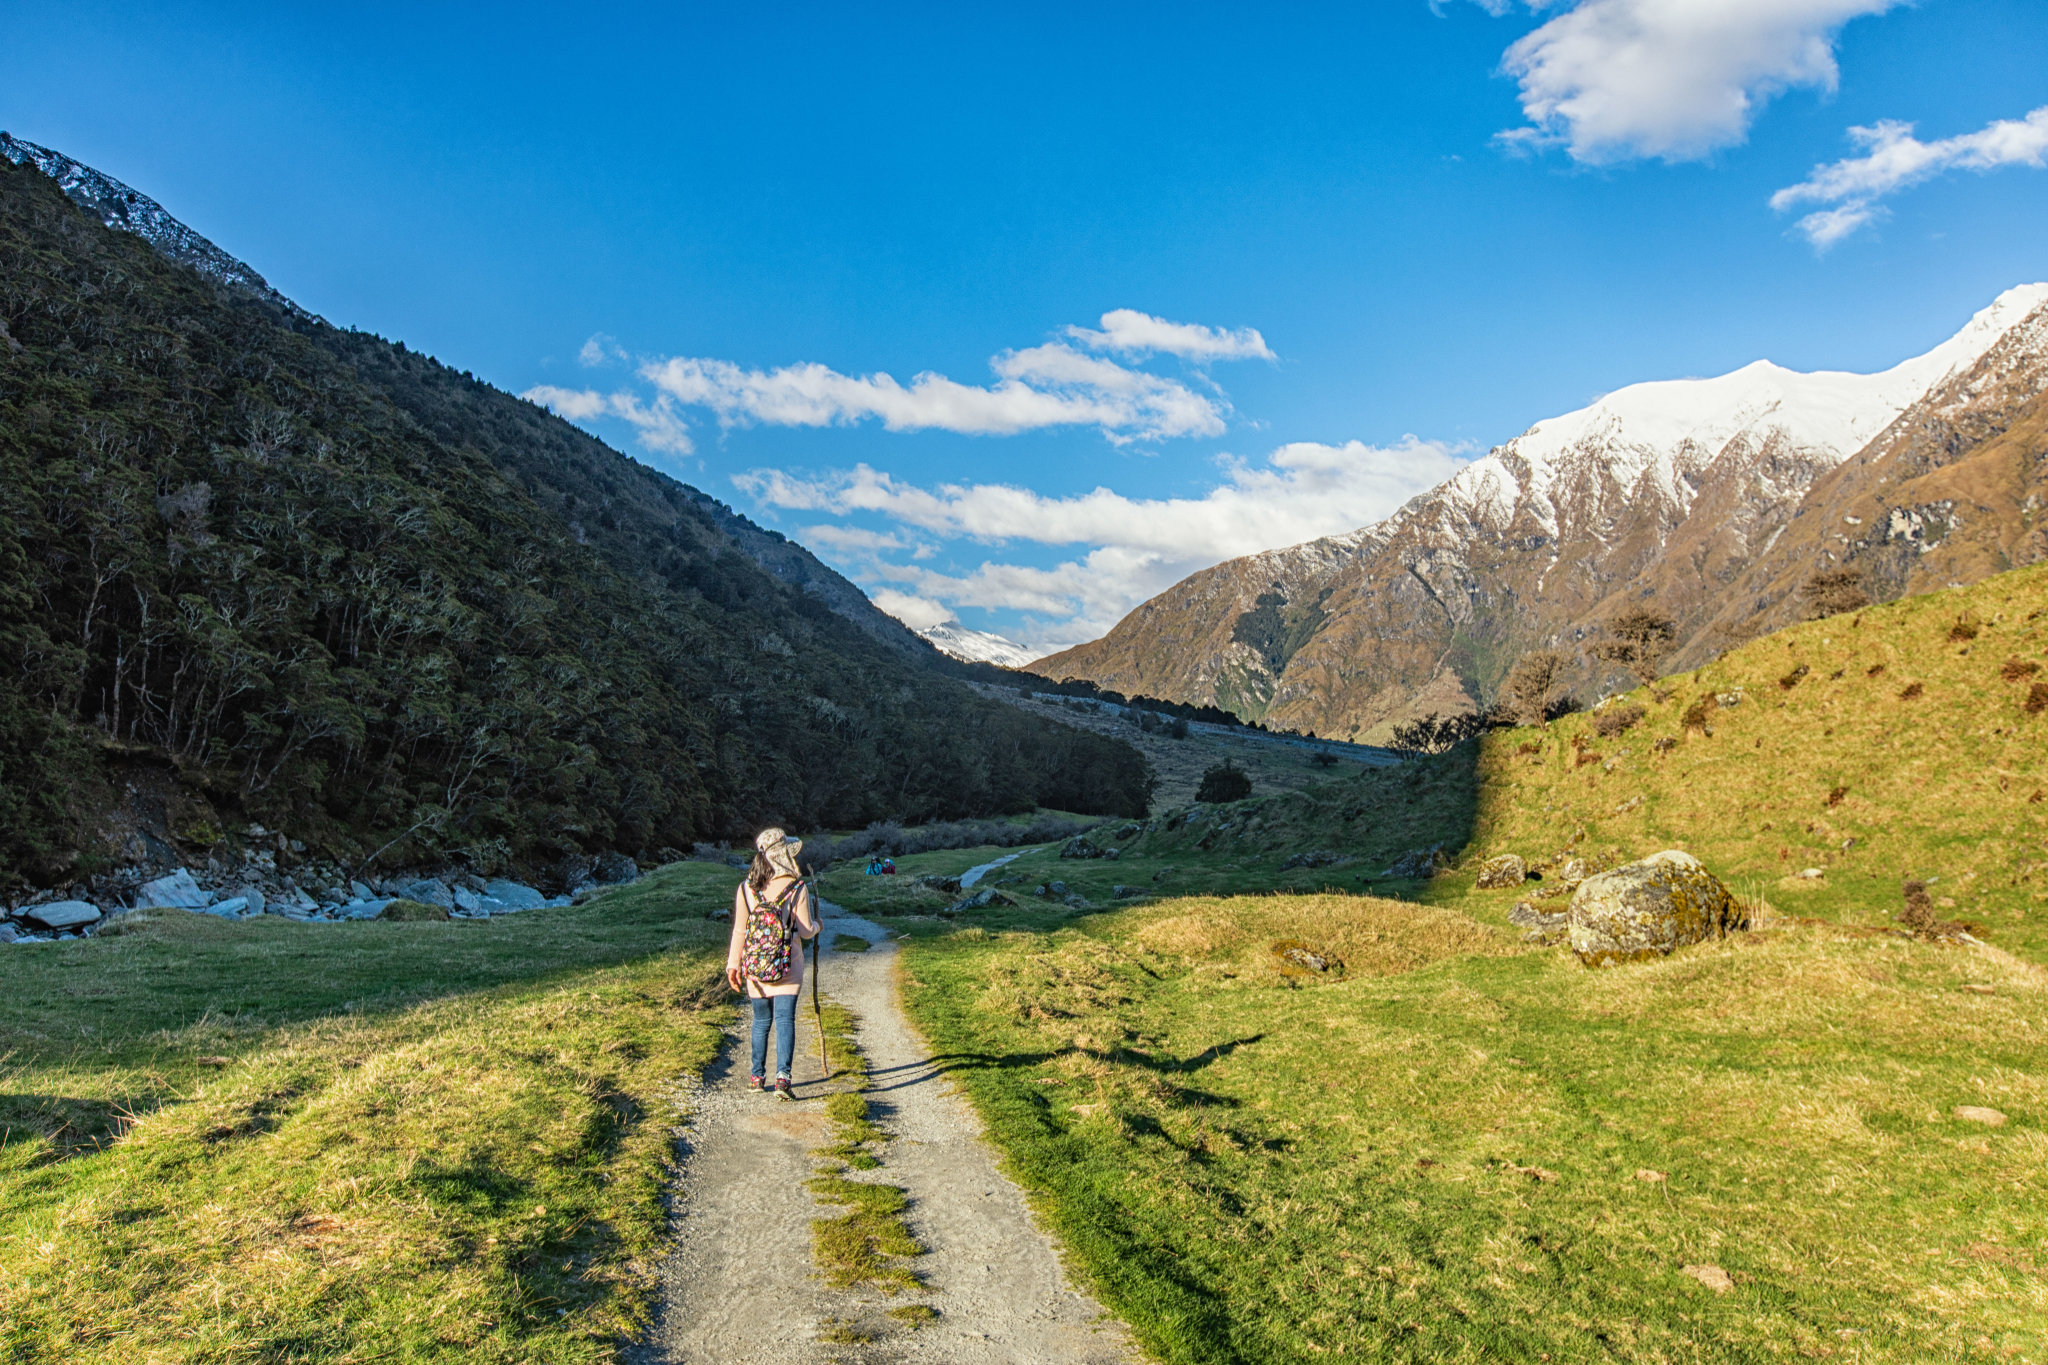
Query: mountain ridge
x: 1637, y: 496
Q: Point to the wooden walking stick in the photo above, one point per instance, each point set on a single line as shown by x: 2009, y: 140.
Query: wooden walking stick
x: 818, y: 952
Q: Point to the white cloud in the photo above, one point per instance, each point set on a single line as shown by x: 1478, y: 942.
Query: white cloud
x: 919, y: 613
x: 1613, y: 79
x: 1140, y: 545
x: 600, y: 350
x: 661, y: 426
x: 1894, y: 159
x: 1130, y: 332
x: 1044, y: 386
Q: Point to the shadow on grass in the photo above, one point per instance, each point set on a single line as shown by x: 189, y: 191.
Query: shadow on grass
x: 947, y: 1063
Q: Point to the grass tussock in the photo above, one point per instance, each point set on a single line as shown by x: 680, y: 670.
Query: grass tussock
x: 867, y: 1244
x: 421, y: 1140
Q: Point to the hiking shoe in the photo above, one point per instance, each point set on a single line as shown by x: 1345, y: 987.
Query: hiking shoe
x: 782, y: 1090
x: 757, y: 1083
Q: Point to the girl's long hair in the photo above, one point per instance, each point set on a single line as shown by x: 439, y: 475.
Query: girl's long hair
x: 759, y: 874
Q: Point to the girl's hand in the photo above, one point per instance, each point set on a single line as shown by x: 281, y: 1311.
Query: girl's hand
x: 735, y: 980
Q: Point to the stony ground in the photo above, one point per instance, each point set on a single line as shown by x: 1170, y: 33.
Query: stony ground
x: 740, y: 1284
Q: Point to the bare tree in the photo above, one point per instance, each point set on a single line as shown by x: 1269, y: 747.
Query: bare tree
x: 1640, y: 638
x: 1832, y: 592
x: 1531, y: 682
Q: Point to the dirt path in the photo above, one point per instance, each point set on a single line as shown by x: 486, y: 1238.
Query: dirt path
x: 740, y: 1283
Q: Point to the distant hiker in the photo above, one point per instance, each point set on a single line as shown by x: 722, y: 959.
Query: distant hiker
x: 771, y: 914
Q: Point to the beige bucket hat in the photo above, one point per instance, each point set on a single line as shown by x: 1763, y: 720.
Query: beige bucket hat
x: 780, y: 850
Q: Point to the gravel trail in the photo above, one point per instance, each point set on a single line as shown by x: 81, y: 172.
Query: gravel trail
x: 740, y: 1284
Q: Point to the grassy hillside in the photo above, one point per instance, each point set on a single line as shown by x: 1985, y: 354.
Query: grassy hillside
x: 273, y: 1141
x: 331, y: 586
x: 1454, y: 1145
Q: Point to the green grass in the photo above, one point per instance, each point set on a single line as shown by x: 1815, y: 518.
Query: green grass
x: 866, y: 1245
x: 849, y: 943
x: 344, y: 1142
x: 1462, y: 1147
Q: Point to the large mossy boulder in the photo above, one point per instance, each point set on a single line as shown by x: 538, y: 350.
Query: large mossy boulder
x: 1645, y: 909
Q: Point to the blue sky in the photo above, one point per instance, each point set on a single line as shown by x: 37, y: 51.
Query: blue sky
x: 1372, y: 282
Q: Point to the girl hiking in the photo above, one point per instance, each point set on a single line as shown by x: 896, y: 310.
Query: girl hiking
x: 772, y: 914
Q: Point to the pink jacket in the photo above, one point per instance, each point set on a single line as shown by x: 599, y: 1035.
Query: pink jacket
x: 792, y: 982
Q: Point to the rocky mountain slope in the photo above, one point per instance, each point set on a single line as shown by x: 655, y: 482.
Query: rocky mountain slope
x: 264, y: 573
x: 1714, y: 499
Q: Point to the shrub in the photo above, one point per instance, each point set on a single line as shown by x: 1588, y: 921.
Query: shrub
x: 1224, y: 782
x: 1835, y: 796
x: 1616, y: 719
x: 1179, y: 728
x: 1832, y: 592
x: 1433, y: 733
x: 1640, y: 638
x: 1911, y: 691
x: 412, y: 911
x: 2017, y: 669
x: 1791, y: 680
x: 2037, y: 699
x: 1531, y: 682
x: 1323, y: 759
x: 1964, y: 630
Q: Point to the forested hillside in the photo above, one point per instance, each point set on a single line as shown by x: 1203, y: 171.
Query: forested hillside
x: 309, y: 579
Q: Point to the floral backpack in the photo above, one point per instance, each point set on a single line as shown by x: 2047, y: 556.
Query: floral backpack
x: 764, y: 953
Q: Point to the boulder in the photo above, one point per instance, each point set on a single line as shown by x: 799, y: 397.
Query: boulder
x: 1079, y: 847
x: 178, y: 890
x: 1418, y: 864
x: 468, y: 902
x: 8, y: 933
x: 234, y: 907
x: 368, y: 909
x: 1541, y: 927
x: 938, y: 882
x: 1645, y: 909
x: 427, y: 891
x: 1502, y: 872
x: 503, y: 896
x: 255, y: 898
x: 567, y: 873
x: 61, y: 914
x: 1056, y: 888
x: 1321, y: 857
x: 1124, y: 893
x: 612, y: 869
x: 981, y: 900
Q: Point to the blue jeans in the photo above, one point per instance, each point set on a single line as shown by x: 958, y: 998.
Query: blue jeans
x: 781, y: 1010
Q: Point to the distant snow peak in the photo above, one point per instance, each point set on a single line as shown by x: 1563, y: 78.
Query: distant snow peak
x: 118, y: 206
x: 977, y: 646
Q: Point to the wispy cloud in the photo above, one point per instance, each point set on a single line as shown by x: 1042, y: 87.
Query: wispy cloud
x: 1044, y: 386
x: 1894, y: 159
x: 1140, y: 546
x: 599, y: 351
x: 1613, y: 79
x: 1129, y: 332
x: 661, y: 426
x: 1056, y: 384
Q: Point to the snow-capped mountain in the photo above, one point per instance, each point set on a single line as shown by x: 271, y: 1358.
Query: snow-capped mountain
x: 1682, y: 490
x: 118, y: 206
x: 977, y: 646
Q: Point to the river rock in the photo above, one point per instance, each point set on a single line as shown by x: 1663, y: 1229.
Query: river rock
x: 1645, y: 909
x: 61, y: 914
x: 427, y: 891
x: 981, y: 900
x: 178, y: 890
x: 1498, y: 874
x: 502, y: 896
x: 613, y: 869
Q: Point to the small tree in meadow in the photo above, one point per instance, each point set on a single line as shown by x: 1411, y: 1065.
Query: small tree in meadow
x: 1638, y: 639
